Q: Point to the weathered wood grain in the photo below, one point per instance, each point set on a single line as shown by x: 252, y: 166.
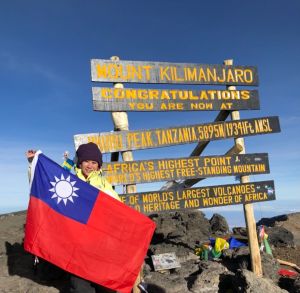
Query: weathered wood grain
x: 172, y: 73
x: 162, y: 137
x: 146, y: 171
x: 149, y: 100
x: 201, y: 197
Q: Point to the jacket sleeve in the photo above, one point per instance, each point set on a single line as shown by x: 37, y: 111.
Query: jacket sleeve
x: 107, y: 188
x: 29, y: 172
x: 29, y: 168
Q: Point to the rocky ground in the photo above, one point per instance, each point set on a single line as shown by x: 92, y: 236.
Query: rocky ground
x: 179, y: 233
x: 292, y: 254
x: 289, y: 251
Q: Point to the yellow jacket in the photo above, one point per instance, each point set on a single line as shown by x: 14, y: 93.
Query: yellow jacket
x: 97, y: 180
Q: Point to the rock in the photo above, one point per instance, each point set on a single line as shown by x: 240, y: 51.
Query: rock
x: 218, y: 224
x: 188, y: 268
x: 193, y: 276
x: 209, y: 279
x: 270, y: 267
x: 170, y: 281
x: 238, y: 258
x: 18, y: 284
x: 239, y: 231
x: 297, y: 285
x: 16, y: 265
x: 280, y: 237
x: 189, y: 227
x: 176, y: 232
x: 291, y: 222
x: 290, y: 284
x: 179, y: 232
x: 245, y: 281
x: 271, y: 222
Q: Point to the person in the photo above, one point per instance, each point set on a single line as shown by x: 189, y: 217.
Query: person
x: 87, y: 168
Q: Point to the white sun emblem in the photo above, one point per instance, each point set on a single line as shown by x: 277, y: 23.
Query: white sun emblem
x: 63, y: 189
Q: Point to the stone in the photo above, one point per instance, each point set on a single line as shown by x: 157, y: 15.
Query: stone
x: 209, y: 279
x: 218, y: 224
x: 291, y: 222
x: 247, y: 282
x: 239, y: 231
x: 238, y: 258
x: 271, y: 222
x: 280, y: 237
x: 270, y: 266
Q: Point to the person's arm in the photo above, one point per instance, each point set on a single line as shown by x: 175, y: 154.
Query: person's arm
x: 30, y: 155
x: 68, y: 164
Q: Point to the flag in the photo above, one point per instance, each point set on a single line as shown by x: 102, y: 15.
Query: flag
x: 68, y: 164
x: 83, y: 230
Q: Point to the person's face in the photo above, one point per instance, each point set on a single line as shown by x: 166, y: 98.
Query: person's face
x: 88, y: 166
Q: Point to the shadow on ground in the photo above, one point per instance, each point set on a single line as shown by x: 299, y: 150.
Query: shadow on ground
x: 21, y: 263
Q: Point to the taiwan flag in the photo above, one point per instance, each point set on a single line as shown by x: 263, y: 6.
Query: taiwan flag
x: 83, y: 230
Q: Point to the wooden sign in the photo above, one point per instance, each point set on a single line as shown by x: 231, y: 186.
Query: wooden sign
x: 180, y: 73
x: 132, y: 172
x: 129, y: 99
x: 200, y: 197
x: 162, y: 137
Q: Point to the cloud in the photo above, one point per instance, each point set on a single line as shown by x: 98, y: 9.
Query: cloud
x: 19, y: 65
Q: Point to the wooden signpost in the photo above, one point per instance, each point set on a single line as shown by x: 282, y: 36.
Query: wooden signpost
x: 172, y: 73
x: 162, y: 137
x: 248, y: 208
x: 200, y: 197
x: 128, y: 99
x: 191, y: 169
x: 120, y: 173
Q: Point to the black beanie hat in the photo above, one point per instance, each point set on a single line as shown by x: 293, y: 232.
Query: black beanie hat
x: 89, y: 152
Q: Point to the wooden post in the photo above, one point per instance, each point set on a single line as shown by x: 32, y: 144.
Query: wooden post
x: 120, y: 120
x: 248, y: 208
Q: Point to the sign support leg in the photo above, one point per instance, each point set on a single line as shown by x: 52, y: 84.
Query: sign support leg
x: 120, y: 120
x: 248, y: 208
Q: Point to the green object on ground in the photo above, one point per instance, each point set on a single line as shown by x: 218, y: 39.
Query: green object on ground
x: 205, y: 254
x: 216, y: 254
x: 267, y: 247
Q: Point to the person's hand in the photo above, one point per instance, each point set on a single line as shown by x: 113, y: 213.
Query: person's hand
x: 30, y: 155
x: 66, y: 155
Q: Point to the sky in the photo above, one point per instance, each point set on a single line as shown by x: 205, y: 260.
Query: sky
x: 46, y: 88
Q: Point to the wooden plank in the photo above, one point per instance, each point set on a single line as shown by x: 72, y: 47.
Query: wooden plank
x: 200, y: 147
x: 143, y: 171
x: 187, y: 183
x: 172, y: 73
x: 201, y: 197
x: 147, y: 100
x: 197, y: 151
x: 162, y: 137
